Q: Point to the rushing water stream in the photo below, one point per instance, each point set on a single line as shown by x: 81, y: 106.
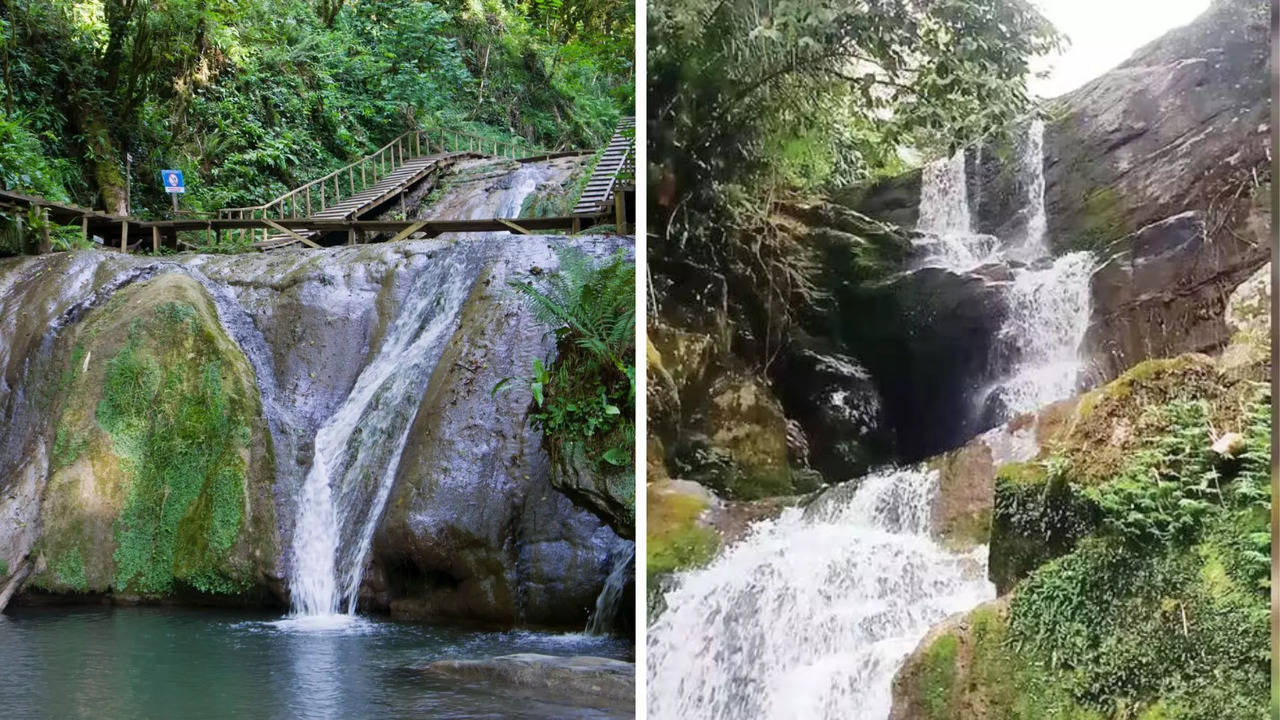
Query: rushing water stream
x: 812, y: 614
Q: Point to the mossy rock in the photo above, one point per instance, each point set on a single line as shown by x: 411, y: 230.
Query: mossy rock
x: 1110, y: 422
x: 678, y: 539
x: 1037, y: 517
x: 967, y: 668
x: 161, y: 475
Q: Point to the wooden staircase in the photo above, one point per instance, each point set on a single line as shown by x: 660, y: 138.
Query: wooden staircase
x: 370, y: 183
x: 618, y: 157
x: 397, y: 182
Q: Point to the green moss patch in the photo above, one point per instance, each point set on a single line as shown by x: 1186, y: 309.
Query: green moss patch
x: 157, y: 488
x: 676, y: 538
x: 171, y: 424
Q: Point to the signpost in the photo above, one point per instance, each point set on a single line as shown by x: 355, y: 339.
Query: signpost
x: 173, y: 184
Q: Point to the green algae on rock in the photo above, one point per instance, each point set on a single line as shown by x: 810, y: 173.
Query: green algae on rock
x: 156, y: 487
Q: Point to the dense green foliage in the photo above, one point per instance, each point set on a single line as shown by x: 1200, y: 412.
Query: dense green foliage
x: 587, y: 395
x: 1163, y: 607
x: 253, y: 98
x: 754, y: 101
x: 820, y: 91
x: 180, y: 439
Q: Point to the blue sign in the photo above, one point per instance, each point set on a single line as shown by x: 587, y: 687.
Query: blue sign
x: 173, y: 181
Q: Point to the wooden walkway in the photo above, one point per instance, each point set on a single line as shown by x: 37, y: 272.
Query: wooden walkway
x: 331, y: 210
x: 618, y: 158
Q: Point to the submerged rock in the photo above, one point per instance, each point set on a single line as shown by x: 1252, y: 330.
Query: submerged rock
x: 582, y: 680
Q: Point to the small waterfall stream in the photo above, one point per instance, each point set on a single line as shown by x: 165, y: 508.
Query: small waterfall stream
x: 357, y: 451
x: 812, y: 614
x: 609, y: 602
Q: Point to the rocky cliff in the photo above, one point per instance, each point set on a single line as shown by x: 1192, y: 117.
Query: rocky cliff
x: 161, y: 414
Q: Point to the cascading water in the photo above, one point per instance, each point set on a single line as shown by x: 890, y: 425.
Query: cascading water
x: 358, y: 449
x: 945, y: 221
x: 812, y: 614
x: 1048, y: 298
x: 609, y: 602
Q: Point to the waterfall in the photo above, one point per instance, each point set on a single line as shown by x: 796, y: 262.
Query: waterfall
x: 609, y: 602
x: 813, y: 613
x: 1048, y: 298
x: 358, y: 449
x: 1048, y: 317
x: 1032, y: 167
x: 945, y: 220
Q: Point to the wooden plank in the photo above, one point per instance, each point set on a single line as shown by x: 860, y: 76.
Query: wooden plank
x: 407, y: 231
x: 513, y: 226
x: 287, y: 231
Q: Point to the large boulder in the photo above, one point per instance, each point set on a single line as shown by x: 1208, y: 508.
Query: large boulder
x: 837, y: 406
x: 156, y: 488
x: 473, y: 528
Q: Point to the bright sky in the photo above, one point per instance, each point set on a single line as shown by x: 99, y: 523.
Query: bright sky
x: 1103, y: 34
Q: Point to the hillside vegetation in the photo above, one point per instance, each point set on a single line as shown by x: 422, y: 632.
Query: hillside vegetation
x: 250, y: 98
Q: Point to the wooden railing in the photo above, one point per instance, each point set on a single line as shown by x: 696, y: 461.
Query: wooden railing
x: 364, y: 173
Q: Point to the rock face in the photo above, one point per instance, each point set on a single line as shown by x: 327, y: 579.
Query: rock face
x: 928, y: 337
x: 473, y: 529
x: 250, y: 355
x: 1160, y: 168
x: 1180, y: 125
x: 840, y: 429
x: 1166, y: 293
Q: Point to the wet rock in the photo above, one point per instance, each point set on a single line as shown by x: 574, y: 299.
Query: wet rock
x: 837, y: 405
x: 928, y: 337
x: 582, y: 681
x: 473, y: 528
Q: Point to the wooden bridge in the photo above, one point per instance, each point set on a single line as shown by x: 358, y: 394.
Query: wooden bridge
x: 336, y: 207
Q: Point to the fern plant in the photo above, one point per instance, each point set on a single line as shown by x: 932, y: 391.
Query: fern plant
x: 591, y: 304
x: 586, y: 396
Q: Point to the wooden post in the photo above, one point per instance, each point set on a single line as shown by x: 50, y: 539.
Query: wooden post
x: 620, y: 212
x: 45, y: 244
x: 322, y: 196
x: 351, y: 236
x: 124, y: 236
x: 417, y: 144
x: 308, y: 201
x: 155, y: 240
x: 84, y: 227
x: 351, y: 179
x: 363, y: 183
